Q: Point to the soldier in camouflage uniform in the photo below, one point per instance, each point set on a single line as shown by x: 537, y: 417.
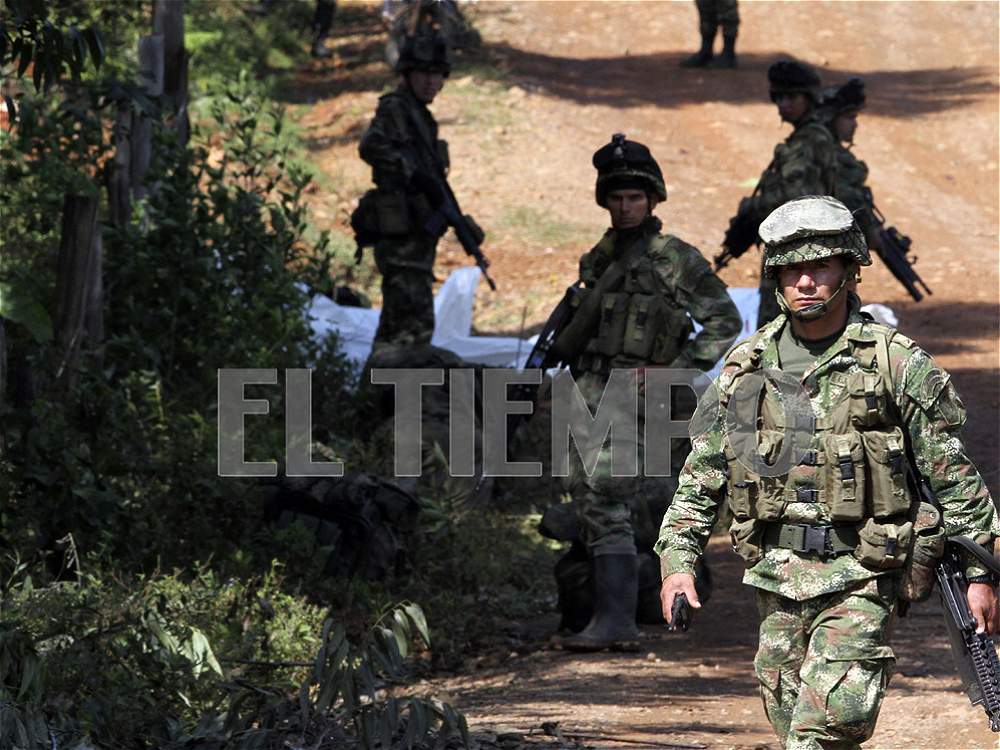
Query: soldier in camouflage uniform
x: 803, y: 165
x: 408, y: 164
x: 642, y: 320
x: 711, y: 15
x: 840, y: 108
x: 819, y: 484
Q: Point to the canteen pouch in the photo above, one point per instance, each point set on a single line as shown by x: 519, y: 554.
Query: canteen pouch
x: 611, y: 330
x: 393, y: 214
x: 928, y: 547
x: 886, y: 458
x: 645, y: 320
x: 845, y: 476
x: 746, y: 540
x: 883, y: 546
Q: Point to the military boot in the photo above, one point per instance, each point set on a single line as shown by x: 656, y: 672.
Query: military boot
x: 612, y: 626
x: 728, y: 57
x: 702, y: 57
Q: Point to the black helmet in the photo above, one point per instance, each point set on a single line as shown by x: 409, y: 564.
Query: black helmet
x: 845, y: 97
x: 791, y: 77
x: 622, y: 162
x: 425, y: 52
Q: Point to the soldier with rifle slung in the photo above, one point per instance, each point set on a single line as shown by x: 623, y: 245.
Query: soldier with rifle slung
x: 839, y: 109
x: 412, y: 204
x: 803, y: 165
x: 640, y: 292
x: 823, y: 430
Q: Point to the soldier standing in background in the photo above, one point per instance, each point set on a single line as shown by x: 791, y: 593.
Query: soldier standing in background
x: 642, y: 291
x: 804, y: 164
x: 711, y: 15
x: 409, y: 163
x: 840, y: 108
x: 819, y: 485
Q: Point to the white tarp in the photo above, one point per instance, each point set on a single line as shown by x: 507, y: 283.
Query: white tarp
x: 453, y: 323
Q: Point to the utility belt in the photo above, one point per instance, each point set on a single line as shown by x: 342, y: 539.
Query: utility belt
x: 818, y: 541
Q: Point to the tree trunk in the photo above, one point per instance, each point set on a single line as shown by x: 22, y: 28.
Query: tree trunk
x: 78, y: 284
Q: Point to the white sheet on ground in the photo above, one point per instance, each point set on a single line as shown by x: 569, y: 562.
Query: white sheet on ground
x: 453, y: 323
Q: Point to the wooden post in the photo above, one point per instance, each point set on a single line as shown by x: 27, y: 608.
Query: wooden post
x: 78, y: 283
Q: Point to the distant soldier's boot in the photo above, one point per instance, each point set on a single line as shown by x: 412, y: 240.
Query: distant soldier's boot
x: 612, y: 626
x: 728, y: 57
x: 702, y: 57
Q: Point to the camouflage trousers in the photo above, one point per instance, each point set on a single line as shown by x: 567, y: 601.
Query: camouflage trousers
x: 407, y: 291
x: 612, y: 509
x: 824, y: 664
x: 715, y: 13
x: 603, y: 501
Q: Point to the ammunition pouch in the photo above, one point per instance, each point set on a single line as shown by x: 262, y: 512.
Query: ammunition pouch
x: 364, y: 221
x: 884, y: 546
x: 746, y: 537
x: 393, y: 213
x: 928, y: 548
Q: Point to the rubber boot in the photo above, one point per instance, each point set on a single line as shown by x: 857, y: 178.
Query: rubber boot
x: 612, y: 626
x: 702, y: 57
x: 728, y: 57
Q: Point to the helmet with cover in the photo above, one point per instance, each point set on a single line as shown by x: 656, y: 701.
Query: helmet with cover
x: 424, y: 52
x: 809, y: 229
x: 791, y: 77
x: 623, y: 164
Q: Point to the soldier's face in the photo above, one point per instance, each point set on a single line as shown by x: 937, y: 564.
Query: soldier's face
x: 425, y: 84
x: 805, y: 284
x: 844, y: 126
x: 627, y: 208
x: 792, y: 107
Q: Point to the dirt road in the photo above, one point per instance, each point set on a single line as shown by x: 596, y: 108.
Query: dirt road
x: 523, y: 117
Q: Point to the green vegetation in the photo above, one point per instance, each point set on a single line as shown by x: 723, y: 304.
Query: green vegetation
x: 146, y: 602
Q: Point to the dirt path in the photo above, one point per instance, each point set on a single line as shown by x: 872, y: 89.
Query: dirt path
x: 523, y: 117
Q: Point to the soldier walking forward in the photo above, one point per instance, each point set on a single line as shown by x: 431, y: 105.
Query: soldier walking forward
x: 641, y: 319
x: 409, y: 163
x: 802, y: 165
x: 818, y: 477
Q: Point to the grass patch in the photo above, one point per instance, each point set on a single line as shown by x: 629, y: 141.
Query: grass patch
x: 542, y: 227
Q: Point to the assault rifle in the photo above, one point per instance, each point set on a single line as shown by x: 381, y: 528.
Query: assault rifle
x: 975, y: 655
x: 892, y: 249
x: 741, y: 234
x: 448, y: 213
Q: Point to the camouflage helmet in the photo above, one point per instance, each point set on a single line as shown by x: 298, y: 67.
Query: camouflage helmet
x: 424, y: 52
x: 622, y: 163
x: 791, y: 77
x: 811, y: 228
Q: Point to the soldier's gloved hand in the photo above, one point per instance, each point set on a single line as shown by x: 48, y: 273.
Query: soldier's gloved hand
x: 673, y: 586
x: 422, y: 182
x: 985, y: 609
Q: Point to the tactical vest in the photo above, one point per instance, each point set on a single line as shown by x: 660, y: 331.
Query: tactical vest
x: 782, y: 169
x: 856, y: 465
x: 641, y: 322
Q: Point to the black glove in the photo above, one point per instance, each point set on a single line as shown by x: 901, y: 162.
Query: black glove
x: 422, y: 182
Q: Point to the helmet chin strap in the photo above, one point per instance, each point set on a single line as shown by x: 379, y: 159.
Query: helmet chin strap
x: 810, y: 312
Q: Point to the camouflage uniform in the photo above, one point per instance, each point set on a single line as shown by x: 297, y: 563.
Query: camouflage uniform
x: 850, y: 174
x: 804, y: 164
x: 824, y: 659
x: 402, y: 144
x: 685, y: 278
x: 641, y: 291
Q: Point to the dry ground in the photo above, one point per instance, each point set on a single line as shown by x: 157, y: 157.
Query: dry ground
x: 523, y: 116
